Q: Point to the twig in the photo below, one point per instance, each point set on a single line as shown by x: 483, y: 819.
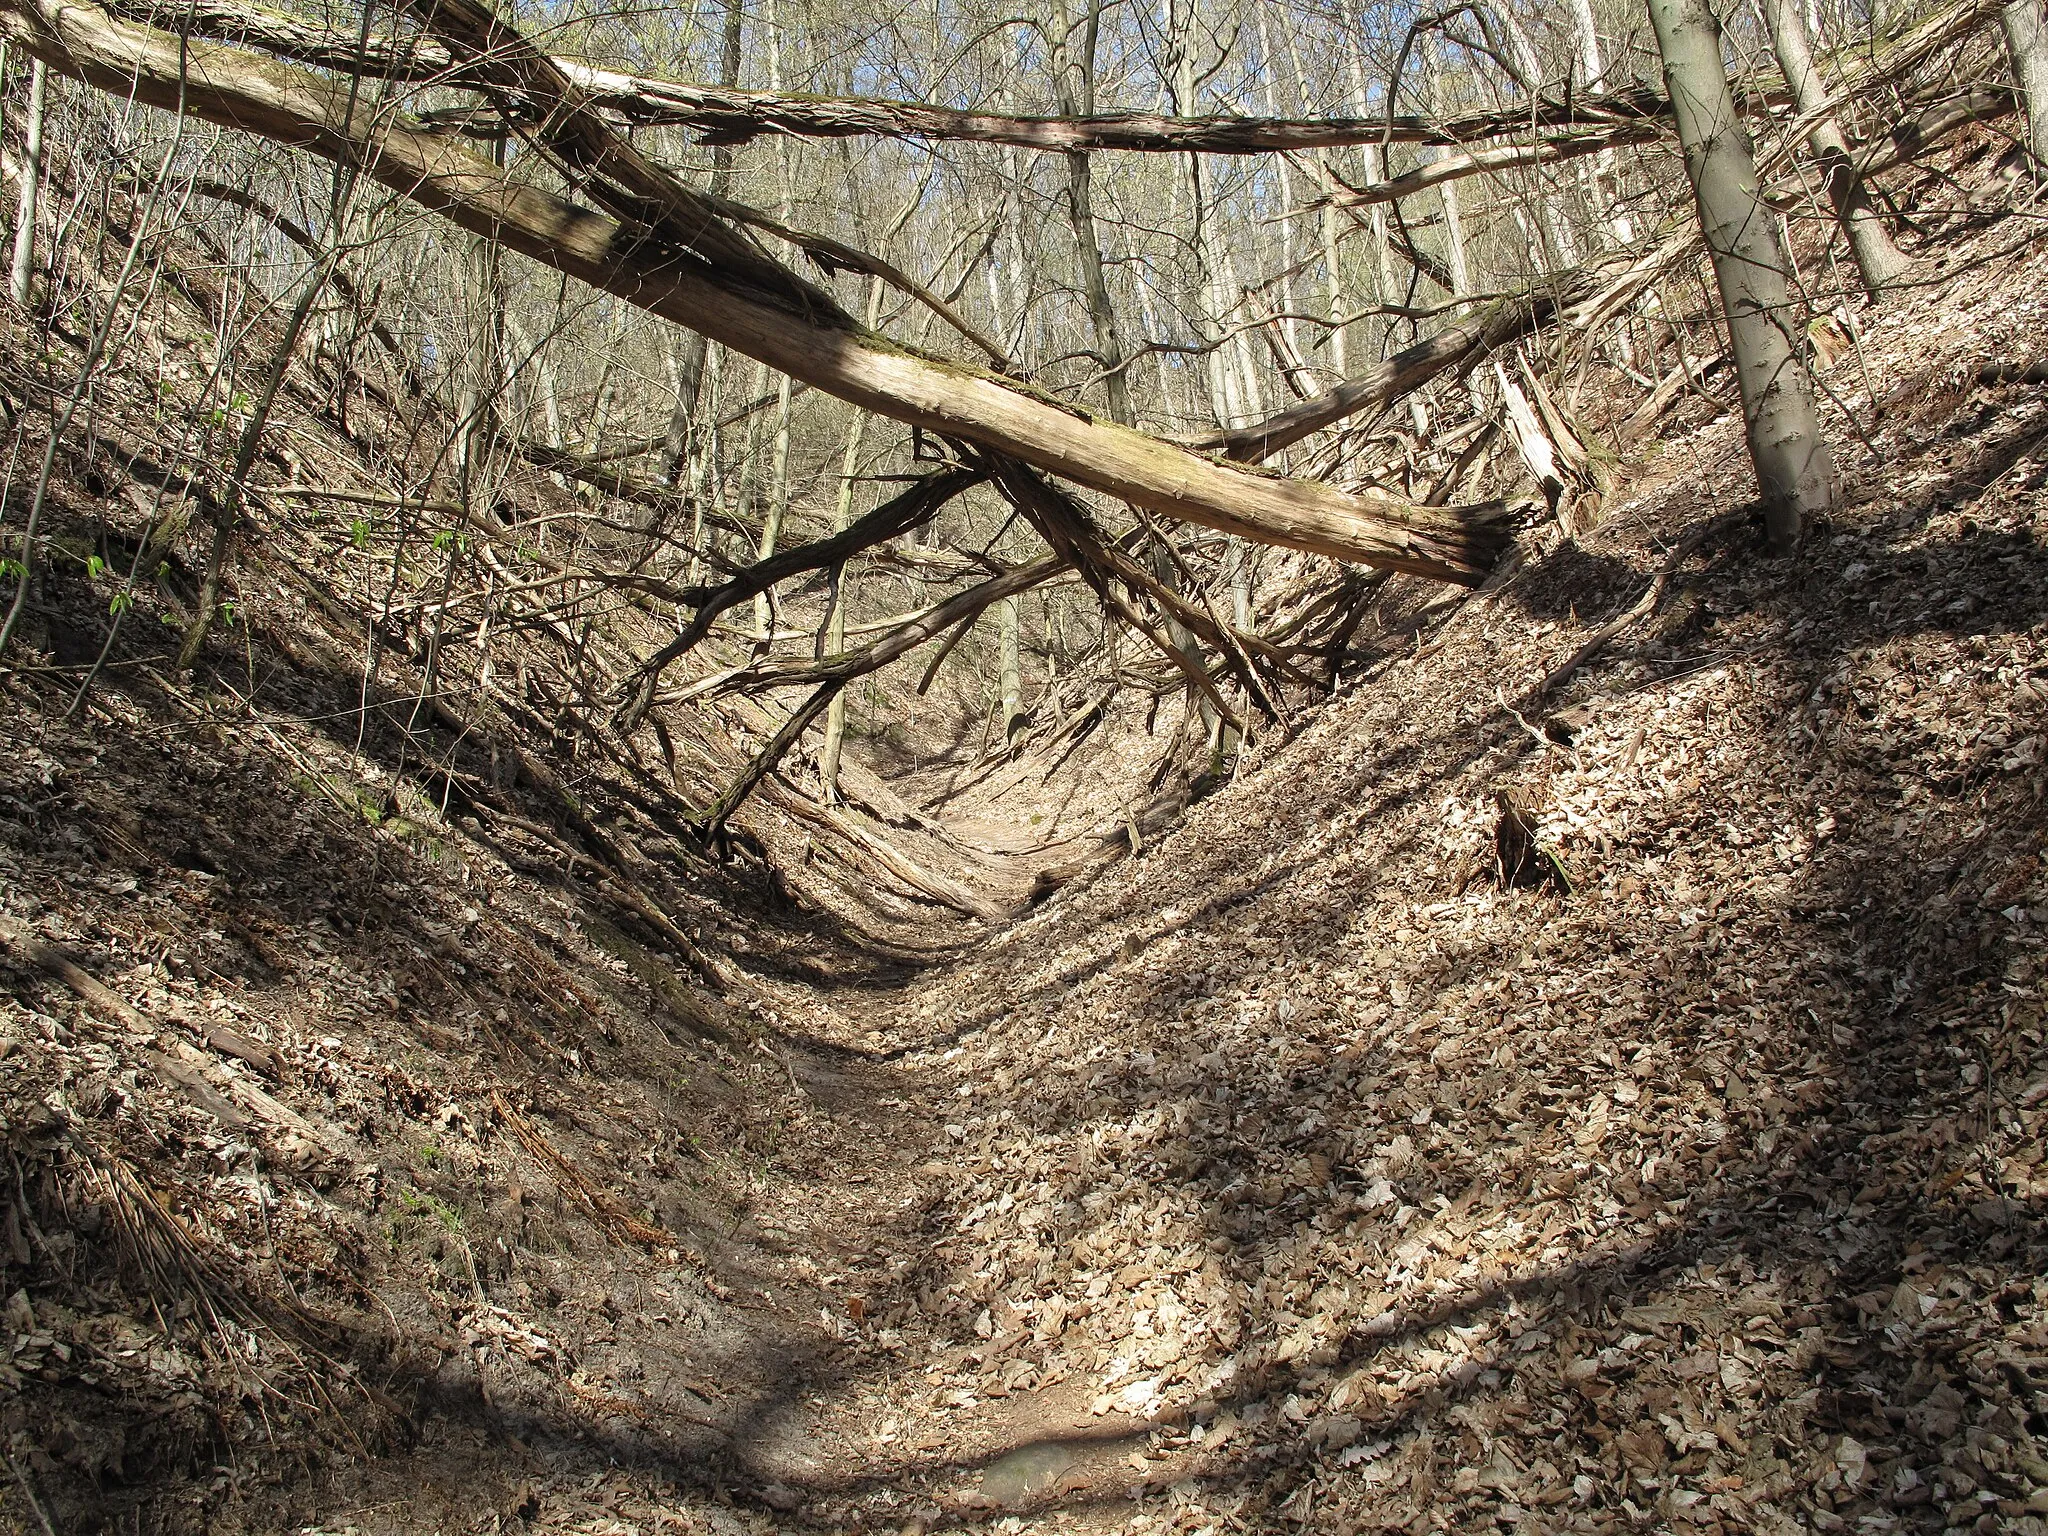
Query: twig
x: 28, y: 1490
x: 61, y: 965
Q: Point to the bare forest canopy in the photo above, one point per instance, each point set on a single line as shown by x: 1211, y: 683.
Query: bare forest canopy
x: 718, y: 351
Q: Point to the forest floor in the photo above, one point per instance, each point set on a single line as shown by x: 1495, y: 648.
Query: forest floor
x: 1290, y: 1174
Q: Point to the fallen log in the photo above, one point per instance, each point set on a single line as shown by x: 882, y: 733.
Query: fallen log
x: 898, y: 515
x: 728, y: 115
x: 748, y: 308
x: 1450, y: 350
x: 1479, y: 162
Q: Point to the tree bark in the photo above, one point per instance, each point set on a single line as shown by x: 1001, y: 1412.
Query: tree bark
x: 726, y: 115
x: 1010, y: 680
x: 21, y: 268
x: 1879, y: 262
x: 2026, y: 39
x: 765, y: 313
x: 1794, y: 468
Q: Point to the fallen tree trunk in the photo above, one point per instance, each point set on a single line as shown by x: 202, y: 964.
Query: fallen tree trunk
x: 1547, y: 150
x: 1918, y: 134
x: 747, y: 309
x: 1452, y: 349
x: 728, y: 115
x: 724, y: 115
x: 895, y: 516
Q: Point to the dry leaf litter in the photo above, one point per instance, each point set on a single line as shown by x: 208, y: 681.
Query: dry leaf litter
x: 1291, y: 1174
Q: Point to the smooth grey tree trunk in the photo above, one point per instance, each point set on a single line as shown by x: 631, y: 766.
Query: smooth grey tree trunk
x: 2026, y: 39
x: 1879, y: 262
x: 1794, y: 469
x: 481, y: 377
x: 834, y: 742
x: 21, y: 270
x: 1068, y: 73
x: 1012, y: 681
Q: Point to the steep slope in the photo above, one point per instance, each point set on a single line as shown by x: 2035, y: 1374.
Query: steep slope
x: 1707, y: 1193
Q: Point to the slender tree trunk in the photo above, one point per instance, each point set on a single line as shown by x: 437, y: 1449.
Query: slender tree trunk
x: 477, y: 403
x: 703, y: 464
x: 1012, y: 679
x: 2026, y: 38
x: 229, y: 512
x: 1375, y: 166
x: 778, y: 463
x: 835, y: 621
x: 1601, y: 180
x: 1454, y: 217
x: 728, y: 75
x: 21, y: 270
x: 1333, y: 278
x: 1879, y: 262
x: 1328, y: 224
x: 1075, y: 87
x: 689, y: 366
x: 1454, y: 227
x: 1794, y: 468
x: 1589, y: 44
x: 778, y: 502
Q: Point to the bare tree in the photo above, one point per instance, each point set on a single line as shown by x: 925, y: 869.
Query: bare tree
x: 21, y: 268
x: 1795, y: 469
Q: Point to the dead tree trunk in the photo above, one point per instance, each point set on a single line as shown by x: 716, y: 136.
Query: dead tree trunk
x: 1794, y: 468
x: 692, y: 268
x: 1879, y: 262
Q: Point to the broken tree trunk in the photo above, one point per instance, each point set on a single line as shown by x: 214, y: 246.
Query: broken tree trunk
x: 723, y: 115
x: 1452, y: 349
x: 1794, y: 469
x: 675, y: 268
